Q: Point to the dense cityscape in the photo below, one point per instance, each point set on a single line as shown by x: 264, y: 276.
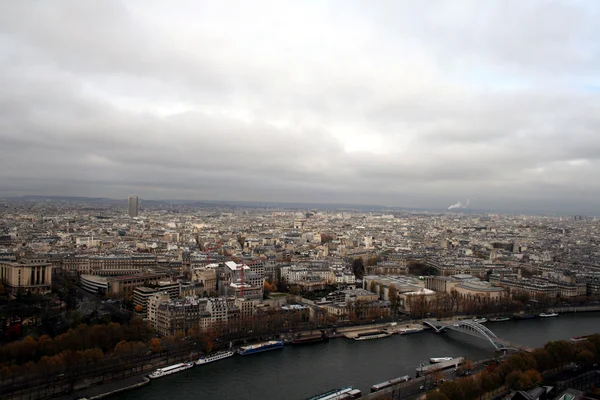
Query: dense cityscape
x: 299, y: 200
x: 92, y: 282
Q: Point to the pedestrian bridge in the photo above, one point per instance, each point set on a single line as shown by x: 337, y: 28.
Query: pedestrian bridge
x: 472, y: 328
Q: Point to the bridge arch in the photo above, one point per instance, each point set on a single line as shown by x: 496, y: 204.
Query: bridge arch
x: 476, y: 329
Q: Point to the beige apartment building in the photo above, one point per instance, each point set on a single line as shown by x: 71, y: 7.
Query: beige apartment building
x: 32, y: 275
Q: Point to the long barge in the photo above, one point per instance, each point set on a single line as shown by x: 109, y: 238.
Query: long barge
x: 379, y: 386
x: 170, y: 370
x: 310, y: 338
x: 260, y: 347
x: 345, y: 393
x: 372, y: 335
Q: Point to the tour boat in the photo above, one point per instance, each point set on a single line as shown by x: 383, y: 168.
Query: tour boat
x: 480, y: 320
x: 260, y: 347
x: 214, y: 357
x: 434, y: 360
x: 407, y: 331
x: 372, y: 335
x: 551, y: 313
x: 172, y: 369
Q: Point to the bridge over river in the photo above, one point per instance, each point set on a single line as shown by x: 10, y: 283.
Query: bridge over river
x: 472, y: 328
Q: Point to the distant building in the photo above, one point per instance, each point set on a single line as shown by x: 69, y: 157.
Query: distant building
x: 94, y: 283
x: 207, y: 278
x: 27, y: 275
x: 141, y: 295
x: 133, y: 206
x: 238, y: 280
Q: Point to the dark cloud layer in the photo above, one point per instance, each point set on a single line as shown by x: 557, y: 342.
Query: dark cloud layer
x: 400, y: 103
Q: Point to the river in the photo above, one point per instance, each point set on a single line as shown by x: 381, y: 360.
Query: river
x: 298, y: 372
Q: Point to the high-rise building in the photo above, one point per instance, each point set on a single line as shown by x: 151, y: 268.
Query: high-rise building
x: 133, y: 206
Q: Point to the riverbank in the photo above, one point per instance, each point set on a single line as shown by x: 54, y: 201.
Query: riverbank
x: 109, y: 389
x: 453, y: 344
x: 303, y: 371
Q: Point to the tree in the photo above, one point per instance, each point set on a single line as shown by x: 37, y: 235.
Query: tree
x: 208, y: 340
x: 91, y: 356
x: 436, y: 395
x: 543, y: 359
x: 585, y: 357
x: 28, y: 349
x: 122, y: 348
x: 452, y: 391
x: 489, y: 381
x: 138, y: 308
x: 532, y: 378
x: 561, y: 351
x: 155, y: 345
x: 455, y: 300
x: 394, y: 299
x: 469, y: 387
x: 418, y: 305
x: 512, y: 379
x: 358, y: 267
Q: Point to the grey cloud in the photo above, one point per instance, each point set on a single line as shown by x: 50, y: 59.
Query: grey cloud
x: 396, y: 104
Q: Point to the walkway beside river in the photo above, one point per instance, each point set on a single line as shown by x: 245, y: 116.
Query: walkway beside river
x: 109, y: 389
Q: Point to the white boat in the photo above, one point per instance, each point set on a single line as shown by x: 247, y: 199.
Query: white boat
x: 338, y: 394
x: 260, y: 347
x: 550, y: 313
x: 499, y: 319
x: 372, y: 335
x: 407, y: 331
x: 434, y: 360
x: 214, y: 357
x: 172, y: 369
x: 480, y: 320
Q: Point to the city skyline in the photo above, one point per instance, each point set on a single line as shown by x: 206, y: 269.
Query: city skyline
x: 399, y: 104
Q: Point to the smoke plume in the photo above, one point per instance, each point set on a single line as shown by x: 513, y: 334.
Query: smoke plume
x: 460, y: 205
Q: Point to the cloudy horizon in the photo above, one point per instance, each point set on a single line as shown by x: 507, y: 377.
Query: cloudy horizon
x: 494, y: 104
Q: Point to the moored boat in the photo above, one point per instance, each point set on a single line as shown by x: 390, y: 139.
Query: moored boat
x: 172, y: 369
x: 549, y: 314
x: 214, y: 357
x: 310, y: 338
x: 338, y: 394
x: 372, y: 335
x: 480, y: 320
x: 260, y: 347
x: 499, y: 319
x: 408, y: 331
x: 435, y: 360
x: 379, y: 386
x: 576, y: 339
x: 522, y: 315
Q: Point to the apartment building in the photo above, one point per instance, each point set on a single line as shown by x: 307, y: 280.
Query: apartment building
x: 26, y: 275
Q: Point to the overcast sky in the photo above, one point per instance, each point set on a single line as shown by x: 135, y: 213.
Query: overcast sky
x: 399, y: 103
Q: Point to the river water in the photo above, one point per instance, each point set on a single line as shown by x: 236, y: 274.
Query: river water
x: 298, y: 372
